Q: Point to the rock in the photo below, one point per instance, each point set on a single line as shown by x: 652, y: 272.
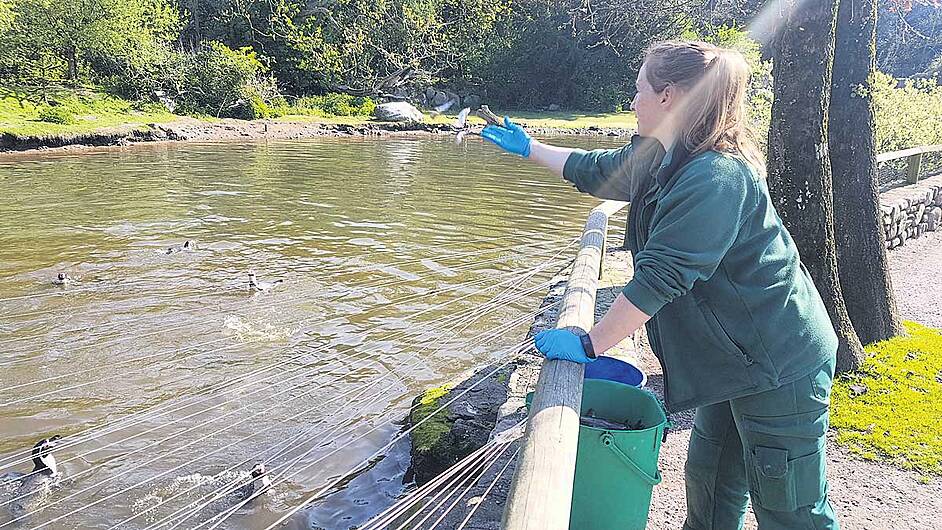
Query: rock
x: 454, y: 97
x: 553, y: 107
x: 857, y: 390
x: 397, y: 111
x: 460, y: 427
x: 430, y: 94
x: 440, y: 98
x: 473, y: 101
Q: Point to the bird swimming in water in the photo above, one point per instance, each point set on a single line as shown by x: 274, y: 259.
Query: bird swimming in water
x: 34, y: 487
x: 188, y: 245
x: 62, y: 279
x: 259, y: 483
x: 258, y: 286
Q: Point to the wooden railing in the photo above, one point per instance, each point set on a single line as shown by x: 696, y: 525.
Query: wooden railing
x: 914, y: 159
x: 540, y: 495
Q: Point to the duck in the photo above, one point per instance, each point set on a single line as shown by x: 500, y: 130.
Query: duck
x: 258, y: 286
x: 62, y: 279
x: 34, y: 487
x: 187, y: 245
x: 259, y: 483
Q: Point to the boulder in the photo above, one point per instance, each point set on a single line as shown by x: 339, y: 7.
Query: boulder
x: 440, y: 98
x: 397, y: 111
x: 473, y: 101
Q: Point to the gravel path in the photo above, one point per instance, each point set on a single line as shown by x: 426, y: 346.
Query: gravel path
x: 916, y: 268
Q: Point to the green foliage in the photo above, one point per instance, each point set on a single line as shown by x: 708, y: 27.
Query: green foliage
x: 220, y: 81
x: 334, y: 104
x: 574, y: 55
x: 59, y: 39
x: 61, y: 115
x: 906, y: 116
x: 897, y: 418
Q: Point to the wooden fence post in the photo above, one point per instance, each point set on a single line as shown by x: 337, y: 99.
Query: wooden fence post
x: 540, y: 495
x: 913, y: 167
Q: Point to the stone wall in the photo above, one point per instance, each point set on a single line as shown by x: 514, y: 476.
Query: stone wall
x: 909, y: 211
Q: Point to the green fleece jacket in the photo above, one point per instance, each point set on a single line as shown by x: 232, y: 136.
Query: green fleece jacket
x: 734, y: 311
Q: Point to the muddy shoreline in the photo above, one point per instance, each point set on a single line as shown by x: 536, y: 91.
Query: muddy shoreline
x: 191, y: 129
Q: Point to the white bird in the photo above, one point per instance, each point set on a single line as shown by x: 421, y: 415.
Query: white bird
x: 462, y: 124
x: 258, y: 286
x: 462, y: 120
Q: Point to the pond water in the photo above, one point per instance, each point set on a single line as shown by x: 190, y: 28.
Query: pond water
x: 405, y: 262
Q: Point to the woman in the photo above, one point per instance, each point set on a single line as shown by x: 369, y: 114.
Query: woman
x: 731, y: 313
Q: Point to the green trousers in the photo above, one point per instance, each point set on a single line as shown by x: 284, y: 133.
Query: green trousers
x: 769, y: 448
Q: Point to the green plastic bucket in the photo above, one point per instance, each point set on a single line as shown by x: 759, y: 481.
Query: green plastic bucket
x: 616, y: 470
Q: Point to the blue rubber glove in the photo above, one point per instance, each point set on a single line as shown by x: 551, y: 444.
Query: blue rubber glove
x: 561, y: 344
x: 511, y: 137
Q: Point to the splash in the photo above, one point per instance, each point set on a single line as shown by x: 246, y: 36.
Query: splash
x: 252, y: 332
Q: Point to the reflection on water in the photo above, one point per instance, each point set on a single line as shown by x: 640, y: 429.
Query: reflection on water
x: 173, y: 378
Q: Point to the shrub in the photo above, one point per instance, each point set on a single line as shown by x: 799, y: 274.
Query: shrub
x: 59, y: 114
x: 218, y: 80
x: 906, y: 116
x: 335, y: 104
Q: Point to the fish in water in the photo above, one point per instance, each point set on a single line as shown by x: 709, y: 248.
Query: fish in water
x: 33, y: 488
x: 188, y: 245
x: 258, y: 286
x: 62, y: 279
x: 589, y: 420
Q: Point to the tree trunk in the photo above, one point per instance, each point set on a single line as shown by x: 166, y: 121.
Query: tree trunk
x: 799, y: 166
x: 861, y: 250
x: 71, y: 59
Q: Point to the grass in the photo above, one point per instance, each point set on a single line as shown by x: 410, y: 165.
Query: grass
x: 89, y: 110
x: 896, y: 419
x: 426, y: 435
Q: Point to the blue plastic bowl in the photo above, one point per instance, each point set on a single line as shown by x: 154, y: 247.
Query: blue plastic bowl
x: 613, y: 369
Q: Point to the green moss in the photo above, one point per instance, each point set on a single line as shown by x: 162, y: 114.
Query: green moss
x: 502, y: 378
x: 426, y: 435
x: 897, y: 419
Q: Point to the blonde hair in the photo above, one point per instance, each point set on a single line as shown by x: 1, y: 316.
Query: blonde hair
x: 713, y: 102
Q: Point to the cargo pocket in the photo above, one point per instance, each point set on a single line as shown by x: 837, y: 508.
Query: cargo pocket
x: 781, y: 484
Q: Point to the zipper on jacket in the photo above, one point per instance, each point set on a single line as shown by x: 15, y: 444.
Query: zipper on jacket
x: 655, y: 347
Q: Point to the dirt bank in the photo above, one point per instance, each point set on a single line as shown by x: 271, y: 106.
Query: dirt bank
x: 236, y: 130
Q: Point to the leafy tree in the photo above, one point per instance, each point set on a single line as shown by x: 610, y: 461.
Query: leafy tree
x: 54, y: 39
x: 909, y: 35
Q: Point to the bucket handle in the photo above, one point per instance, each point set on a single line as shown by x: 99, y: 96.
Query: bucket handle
x: 609, y: 441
